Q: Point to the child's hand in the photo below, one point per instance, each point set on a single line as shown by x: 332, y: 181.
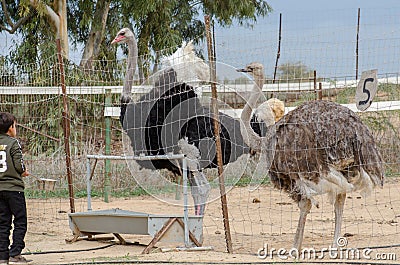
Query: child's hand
x: 25, y: 173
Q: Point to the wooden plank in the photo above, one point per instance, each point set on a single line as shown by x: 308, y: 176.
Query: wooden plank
x: 159, y: 235
x: 120, y: 238
x: 191, y: 236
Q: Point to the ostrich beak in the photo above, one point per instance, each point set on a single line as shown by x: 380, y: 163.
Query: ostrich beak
x: 243, y: 70
x: 117, y: 39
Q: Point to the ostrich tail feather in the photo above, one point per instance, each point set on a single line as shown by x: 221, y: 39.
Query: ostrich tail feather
x: 188, y: 66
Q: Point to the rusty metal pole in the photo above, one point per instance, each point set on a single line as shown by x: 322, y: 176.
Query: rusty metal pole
x: 315, y: 84
x: 66, y: 127
x: 213, y: 81
x: 358, y: 37
x: 278, y: 54
x: 320, y: 91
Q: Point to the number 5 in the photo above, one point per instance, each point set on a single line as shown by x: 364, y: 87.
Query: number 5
x: 367, y: 86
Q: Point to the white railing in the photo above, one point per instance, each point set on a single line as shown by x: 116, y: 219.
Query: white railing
x: 235, y: 113
x: 221, y: 88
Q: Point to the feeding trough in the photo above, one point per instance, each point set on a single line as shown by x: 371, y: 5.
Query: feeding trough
x: 45, y: 183
x: 162, y: 228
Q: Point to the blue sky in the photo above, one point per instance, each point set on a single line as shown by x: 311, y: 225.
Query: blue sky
x: 320, y: 34
x: 292, y: 6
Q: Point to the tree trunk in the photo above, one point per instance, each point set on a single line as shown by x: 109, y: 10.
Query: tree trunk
x: 96, y: 35
x: 156, y: 63
x: 58, y: 20
x: 62, y: 13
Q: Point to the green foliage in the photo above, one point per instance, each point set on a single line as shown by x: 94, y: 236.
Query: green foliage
x: 302, y: 98
x: 164, y: 24
x: 42, y: 194
x: 7, y: 74
x: 40, y: 119
x: 25, y: 7
x: 159, y: 25
x: 33, y: 193
x: 388, y: 91
x: 383, y: 126
x: 244, y: 11
x: 138, y: 191
x: 245, y: 180
x: 346, y: 95
x: 82, y: 13
x: 294, y: 72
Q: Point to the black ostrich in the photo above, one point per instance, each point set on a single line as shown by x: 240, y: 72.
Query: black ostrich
x: 171, y: 119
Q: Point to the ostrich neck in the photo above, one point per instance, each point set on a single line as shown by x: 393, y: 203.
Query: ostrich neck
x: 252, y: 139
x: 130, y: 70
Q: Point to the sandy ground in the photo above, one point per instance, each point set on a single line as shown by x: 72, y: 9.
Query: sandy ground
x: 265, y: 217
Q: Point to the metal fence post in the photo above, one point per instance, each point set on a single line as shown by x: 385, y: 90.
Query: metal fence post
x: 185, y: 202
x: 88, y: 185
x: 107, y: 162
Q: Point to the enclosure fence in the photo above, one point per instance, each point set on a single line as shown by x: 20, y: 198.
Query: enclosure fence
x: 318, y: 64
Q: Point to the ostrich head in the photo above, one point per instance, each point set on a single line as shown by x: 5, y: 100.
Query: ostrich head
x: 263, y: 112
x: 255, y: 69
x: 123, y: 36
x: 278, y: 108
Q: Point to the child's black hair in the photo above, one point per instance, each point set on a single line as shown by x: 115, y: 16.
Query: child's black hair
x: 6, y: 121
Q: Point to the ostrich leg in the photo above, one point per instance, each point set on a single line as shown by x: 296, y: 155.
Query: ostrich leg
x: 199, y: 185
x: 305, y: 207
x: 339, y: 205
x: 200, y: 188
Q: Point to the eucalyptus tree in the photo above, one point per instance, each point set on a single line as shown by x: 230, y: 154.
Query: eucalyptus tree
x: 158, y: 24
x: 90, y: 19
x: 295, y: 72
x: 162, y: 24
x: 32, y: 19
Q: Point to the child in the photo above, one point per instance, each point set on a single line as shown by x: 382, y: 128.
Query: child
x: 12, y: 198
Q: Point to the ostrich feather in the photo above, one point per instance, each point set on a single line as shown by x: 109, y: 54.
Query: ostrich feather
x: 188, y: 66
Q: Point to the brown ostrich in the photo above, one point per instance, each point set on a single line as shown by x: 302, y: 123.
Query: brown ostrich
x: 319, y: 148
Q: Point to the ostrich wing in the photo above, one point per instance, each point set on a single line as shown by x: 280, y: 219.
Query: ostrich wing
x: 143, y: 119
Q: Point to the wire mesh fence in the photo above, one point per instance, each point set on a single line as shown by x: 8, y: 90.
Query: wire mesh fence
x: 311, y: 56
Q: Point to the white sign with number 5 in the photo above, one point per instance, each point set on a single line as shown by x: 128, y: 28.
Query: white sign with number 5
x: 366, y: 89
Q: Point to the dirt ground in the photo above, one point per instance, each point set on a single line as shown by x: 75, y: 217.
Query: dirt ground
x: 264, y: 217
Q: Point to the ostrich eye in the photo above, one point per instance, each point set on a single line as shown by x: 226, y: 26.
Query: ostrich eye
x: 122, y: 34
